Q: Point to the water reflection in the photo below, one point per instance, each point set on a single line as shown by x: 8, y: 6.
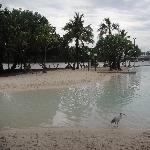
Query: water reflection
x: 87, y: 106
x: 28, y: 108
x: 95, y: 106
x: 116, y: 93
x: 76, y: 103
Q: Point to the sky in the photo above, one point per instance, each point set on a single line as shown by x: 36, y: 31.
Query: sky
x: 131, y: 15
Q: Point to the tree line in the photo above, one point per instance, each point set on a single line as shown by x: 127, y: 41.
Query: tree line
x: 28, y: 37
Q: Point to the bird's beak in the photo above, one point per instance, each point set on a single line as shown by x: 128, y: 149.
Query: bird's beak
x: 124, y: 114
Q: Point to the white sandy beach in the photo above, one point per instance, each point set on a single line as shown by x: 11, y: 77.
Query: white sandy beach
x: 74, y: 139
x: 51, y: 80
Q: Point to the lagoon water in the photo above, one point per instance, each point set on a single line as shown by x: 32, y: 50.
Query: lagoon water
x: 92, y: 106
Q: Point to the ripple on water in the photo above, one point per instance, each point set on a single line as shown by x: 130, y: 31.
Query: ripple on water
x: 88, y: 106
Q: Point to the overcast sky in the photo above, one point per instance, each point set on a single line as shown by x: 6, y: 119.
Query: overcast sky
x: 132, y: 15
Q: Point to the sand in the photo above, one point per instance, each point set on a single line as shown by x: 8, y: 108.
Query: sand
x: 51, y: 80
x: 74, y: 139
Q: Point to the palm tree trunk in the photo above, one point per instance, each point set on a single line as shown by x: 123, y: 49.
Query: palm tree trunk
x: 1, y: 60
x: 125, y: 61
x: 129, y: 63
x: 74, y: 65
x: 77, y: 52
x: 110, y: 65
x: 109, y: 31
x: 8, y: 61
x: 1, y: 67
x: 118, y: 65
x: 114, y: 64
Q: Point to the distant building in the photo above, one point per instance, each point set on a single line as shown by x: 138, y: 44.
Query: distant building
x: 144, y: 56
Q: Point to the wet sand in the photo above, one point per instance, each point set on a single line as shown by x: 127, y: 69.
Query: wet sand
x: 74, y: 139
x: 51, y: 80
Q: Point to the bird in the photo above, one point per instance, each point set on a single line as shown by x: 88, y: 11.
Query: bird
x: 117, y: 118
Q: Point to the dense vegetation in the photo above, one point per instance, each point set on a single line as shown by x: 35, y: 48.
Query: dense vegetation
x: 114, y: 45
x: 27, y: 37
x: 76, y: 31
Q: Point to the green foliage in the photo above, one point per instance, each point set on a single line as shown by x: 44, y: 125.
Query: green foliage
x: 114, y: 47
x: 24, y: 35
x: 107, y: 28
x: 76, y: 31
x: 27, y: 36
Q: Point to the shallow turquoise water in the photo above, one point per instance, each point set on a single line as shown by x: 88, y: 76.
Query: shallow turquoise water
x: 86, y: 106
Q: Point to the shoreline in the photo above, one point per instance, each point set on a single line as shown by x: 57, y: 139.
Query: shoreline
x: 74, y: 138
x: 56, y: 79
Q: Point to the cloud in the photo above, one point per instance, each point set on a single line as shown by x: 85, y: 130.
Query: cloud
x: 130, y: 14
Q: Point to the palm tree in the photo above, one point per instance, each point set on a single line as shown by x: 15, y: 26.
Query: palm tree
x: 123, y: 34
x: 78, y: 33
x: 107, y: 27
